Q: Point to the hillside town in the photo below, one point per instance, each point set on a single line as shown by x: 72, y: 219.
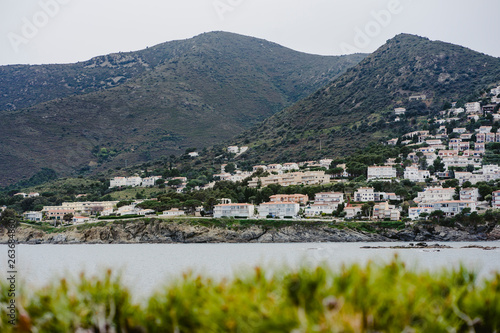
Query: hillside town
x: 448, y: 162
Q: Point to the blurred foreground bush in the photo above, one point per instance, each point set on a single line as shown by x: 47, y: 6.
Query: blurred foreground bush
x: 374, y: 298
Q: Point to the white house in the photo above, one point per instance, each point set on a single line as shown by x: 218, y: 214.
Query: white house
x: 33, y: 216
x: 243, y: 210
x: 399, y: 111
x: 233, y: 149
x: 352, y: 211
x: 290, y: 167
x: 279, y: 209
x: 416, y: 175
x: 80, y: 219
x: 381, y: 172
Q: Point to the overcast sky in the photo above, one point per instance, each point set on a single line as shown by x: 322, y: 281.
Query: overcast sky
x: 63, y: 31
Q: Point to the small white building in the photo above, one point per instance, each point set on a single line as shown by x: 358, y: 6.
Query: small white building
x: 173, y: 212
x: 381, y: 172
x: 243, y: 210
x: 233, y: 149
x: 352, y: 211
x: 279, y: 209
x: 399, y: 111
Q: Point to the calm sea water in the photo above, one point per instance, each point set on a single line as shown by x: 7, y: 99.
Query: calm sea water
x: 145, y: 267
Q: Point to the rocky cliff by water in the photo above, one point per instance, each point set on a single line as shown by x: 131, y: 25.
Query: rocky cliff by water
x: 157, y: 231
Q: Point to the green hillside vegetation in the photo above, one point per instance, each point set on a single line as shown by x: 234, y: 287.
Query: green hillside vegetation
x: 374, y: 298
x: 357, y: 108
x: 194, y: 93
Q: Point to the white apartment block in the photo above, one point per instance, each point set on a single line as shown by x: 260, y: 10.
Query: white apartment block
x: 495, y: 202
x: 329, y: 198
x: 386, y: 211
x: 435, y: 194
x: 473, y: 108
x: 125, y: 181
x: 279, y: 209
x: 453, y: 207
x: 234, y: 210
x: 416, y: 175
x: 469, y: 194
x: 301, y: 199
x: 292, y: 178
x: 318, y: 209
x: 460, y: 130
x: 150, y: 181
x: 89, y: 207
x: 381, y: 172
x: 364, y: 194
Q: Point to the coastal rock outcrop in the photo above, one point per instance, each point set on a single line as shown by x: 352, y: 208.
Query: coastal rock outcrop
x: 158, y: 231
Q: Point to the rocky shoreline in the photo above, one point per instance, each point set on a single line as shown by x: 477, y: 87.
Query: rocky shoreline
x: 158, y: 231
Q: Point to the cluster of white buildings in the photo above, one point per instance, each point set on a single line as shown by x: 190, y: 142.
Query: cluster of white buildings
x: 134, y: 181
x: 439, y: 198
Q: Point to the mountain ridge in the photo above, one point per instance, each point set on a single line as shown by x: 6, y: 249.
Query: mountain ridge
x: 202, y: 91
x: 357, y: 108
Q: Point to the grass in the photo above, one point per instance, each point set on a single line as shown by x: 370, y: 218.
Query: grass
x: 372, y: 298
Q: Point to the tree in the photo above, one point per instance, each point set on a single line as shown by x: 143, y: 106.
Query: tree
x: 9, y: 218
x: 484, y: 190
x: 192, y: 204
x: 68, y: 217
x: 438, y: 214
x: 230, y: 168
x: 174, y: 182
